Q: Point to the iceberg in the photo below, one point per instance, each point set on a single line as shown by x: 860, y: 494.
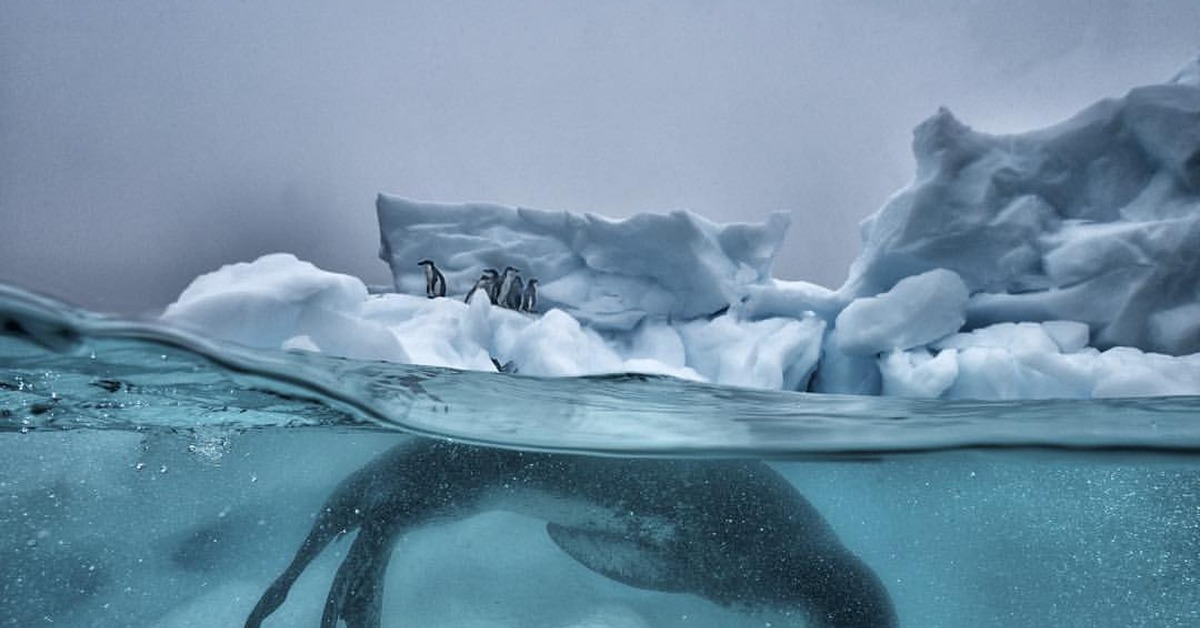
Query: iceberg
x: 1096, y: 220
x: 607, y: 274
x: 1063, y: 262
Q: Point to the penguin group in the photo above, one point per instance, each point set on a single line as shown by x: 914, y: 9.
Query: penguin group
x: 506, y: 290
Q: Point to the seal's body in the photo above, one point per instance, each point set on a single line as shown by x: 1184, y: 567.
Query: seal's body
x: 732, y: 531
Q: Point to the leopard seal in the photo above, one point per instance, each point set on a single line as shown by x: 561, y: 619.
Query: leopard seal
x: 732, y: 531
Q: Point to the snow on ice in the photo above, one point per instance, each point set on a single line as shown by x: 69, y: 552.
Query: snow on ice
x: 1063, y: 262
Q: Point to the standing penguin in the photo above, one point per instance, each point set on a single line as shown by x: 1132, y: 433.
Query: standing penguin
x: 529, y: 296
x: 514, y: 295
x: 510, y: 289
x: 493, y: 290
x: 435, y: 282
x: 484, y: 283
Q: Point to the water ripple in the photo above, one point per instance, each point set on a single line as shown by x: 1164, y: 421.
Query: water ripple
x: 64, y: 368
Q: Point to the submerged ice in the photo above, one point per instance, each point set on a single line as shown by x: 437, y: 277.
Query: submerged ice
x: 1062, y: 262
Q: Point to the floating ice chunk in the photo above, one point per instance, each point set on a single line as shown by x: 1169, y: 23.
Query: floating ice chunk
x: 916, y: 311
x: 1129, y: 372
x: 1022, y: 361
x: 1013, y: 337
x: 436, y: 332
x: 557, y: 345
x: 277, y: 297
x: 1034, y: 361
x: 790, y: 298
x: 778, y: 353
x: 845, y: 374
x: 1070, y: 336
x: 918, y: 373
x: 988, y: 373
x: 657, y: 341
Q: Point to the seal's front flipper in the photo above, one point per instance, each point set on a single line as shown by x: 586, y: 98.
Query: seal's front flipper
x: 632, y: 561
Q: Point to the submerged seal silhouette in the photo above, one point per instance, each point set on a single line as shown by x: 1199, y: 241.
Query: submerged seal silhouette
x: 733, y: 531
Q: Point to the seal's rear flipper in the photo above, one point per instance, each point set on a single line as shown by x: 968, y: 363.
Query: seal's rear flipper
x: 630, y: 561
x: 356, y: 596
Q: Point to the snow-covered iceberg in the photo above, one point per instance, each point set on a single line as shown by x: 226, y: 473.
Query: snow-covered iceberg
x: 1096, y: 219
x: 607, y: 274
x: 1063, y: 262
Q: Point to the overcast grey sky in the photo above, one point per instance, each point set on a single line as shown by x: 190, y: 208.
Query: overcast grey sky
x: 143, y: 143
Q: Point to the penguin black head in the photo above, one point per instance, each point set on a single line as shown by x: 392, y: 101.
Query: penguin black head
x: 424, y: 262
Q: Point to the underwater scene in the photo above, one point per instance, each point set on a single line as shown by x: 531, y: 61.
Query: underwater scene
x: 155, y: 478
x: 597, y: 386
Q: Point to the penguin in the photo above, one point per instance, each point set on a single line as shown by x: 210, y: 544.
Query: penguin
x: 484, y: 283
x: 510, y: 289
x: 435, y: 282
x: 529, y: 296
x: 507, y: 367
x: 514, y: 295
x: 493, y: 285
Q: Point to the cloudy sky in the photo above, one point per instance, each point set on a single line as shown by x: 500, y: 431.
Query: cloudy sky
x: 145, y: 142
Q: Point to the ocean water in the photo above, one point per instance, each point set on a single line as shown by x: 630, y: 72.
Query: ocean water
x: 153, y: 478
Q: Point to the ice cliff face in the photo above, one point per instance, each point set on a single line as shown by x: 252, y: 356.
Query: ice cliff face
x: 1096, y: 220
x: 608, y: 274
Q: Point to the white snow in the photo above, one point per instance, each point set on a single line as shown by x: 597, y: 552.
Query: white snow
x: 293, y: 305
x: 280, y: 301
x: 1064, y: 262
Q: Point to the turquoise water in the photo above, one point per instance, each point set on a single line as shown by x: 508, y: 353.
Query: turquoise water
x: 152, y: 478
